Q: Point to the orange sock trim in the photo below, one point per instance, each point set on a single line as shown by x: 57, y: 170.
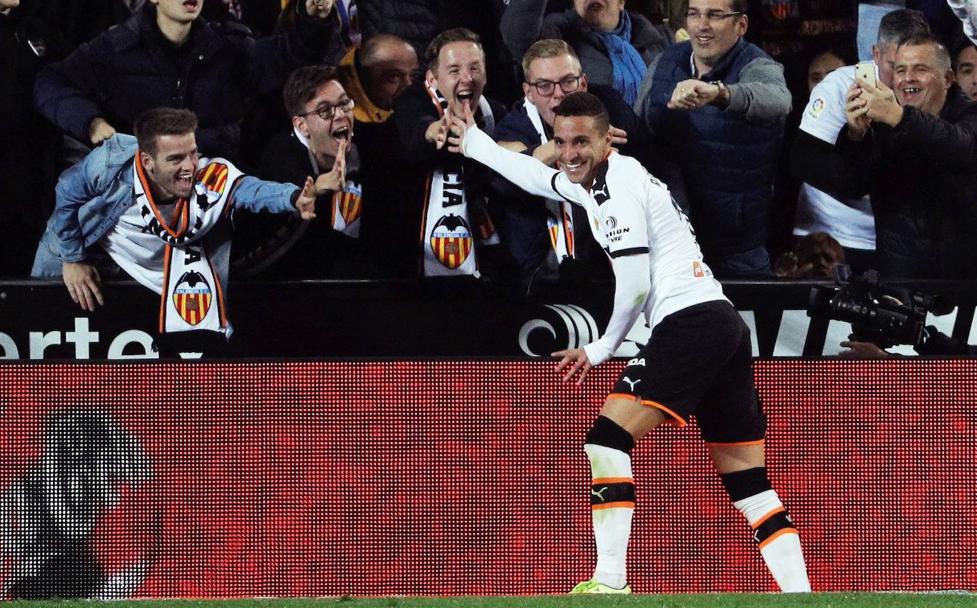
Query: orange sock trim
x: 777, y: 535
x: 623, y: 504
x: 763, y: 519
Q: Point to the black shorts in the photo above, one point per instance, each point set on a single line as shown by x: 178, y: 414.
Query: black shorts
x: 699, y: 361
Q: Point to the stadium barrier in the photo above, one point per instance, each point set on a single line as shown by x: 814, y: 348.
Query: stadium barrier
x: 377, y: 477
x: 410, y: 319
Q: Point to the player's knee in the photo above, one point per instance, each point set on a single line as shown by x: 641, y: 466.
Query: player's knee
x: 743, y: 484
x: 753, y: 495
x: 610, y: 434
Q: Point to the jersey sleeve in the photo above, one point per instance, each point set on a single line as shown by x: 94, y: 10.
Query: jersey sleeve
x: 824, y: 115
x: 632, y: 283
x: 522, y: 170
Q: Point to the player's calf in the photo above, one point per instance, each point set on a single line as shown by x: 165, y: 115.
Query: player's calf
x: 773, y: 529
x: 612, y: 499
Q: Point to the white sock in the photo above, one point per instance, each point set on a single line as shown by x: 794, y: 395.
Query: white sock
x: 610, y: 470
x: 781, y: 550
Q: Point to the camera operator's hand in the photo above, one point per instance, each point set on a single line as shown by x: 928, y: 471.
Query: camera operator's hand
x: 862, y: 350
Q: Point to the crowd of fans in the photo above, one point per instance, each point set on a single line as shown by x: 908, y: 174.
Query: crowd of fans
x: 784, y: 161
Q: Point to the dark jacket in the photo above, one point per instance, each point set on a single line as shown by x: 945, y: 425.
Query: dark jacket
x: 413, y: 112
x: 416, y: 21
x: 78, y: 22
x: 419, y: 21
x: 525, y: 22
x: 132, y: 68
x: 727, y: 161
x: 285, y: 246
x: 28, y: 163
x: 922, y: 177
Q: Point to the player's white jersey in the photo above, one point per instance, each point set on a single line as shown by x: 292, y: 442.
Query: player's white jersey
x: 630, y: 212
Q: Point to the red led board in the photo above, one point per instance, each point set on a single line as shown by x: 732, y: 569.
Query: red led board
x: 457, y: 478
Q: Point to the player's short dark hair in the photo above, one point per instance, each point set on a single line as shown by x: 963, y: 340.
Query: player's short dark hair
x: 457, y: 34
x: 901, y: 24
x: 583, y: 103
x: 151, y: 124
x: 942, y: 55
x: 302, y: 84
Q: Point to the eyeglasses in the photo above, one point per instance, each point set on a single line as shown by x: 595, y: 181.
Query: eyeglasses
x: 327, y: 112
x: 568, y: 84
x: 710, y: 16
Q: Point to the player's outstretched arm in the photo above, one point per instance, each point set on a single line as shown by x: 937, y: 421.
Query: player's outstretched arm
x: 524, y: 171
x: 632, y: 283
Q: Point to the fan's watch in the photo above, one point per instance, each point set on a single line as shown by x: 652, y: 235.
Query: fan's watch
x: 722, y: 99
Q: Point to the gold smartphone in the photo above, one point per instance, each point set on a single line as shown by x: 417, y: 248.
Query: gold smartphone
x: 865, y: 72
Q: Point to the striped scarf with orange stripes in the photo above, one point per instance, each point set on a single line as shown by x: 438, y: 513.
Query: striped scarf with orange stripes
x: 559, y: 215
x: 453, y: 223
x: 192, y: 295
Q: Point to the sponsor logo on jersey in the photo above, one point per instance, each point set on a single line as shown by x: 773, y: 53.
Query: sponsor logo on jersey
x: 636, y: 361
x: 451, y: 241
x: 697, y: 270
x: 611, y: 222
x: 192, y: 297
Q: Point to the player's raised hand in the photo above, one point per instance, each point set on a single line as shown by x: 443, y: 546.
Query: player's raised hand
x: 335, y: 179
x: 305, y: 203
x: 457, y: 129
x: 573, y: 360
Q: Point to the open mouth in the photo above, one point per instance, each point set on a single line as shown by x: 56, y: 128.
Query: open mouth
x: 910, y: 94
x: 704, y: 39
x: 184, y: 181
x: 341, y: 133
x: 465, y: 96
x: 191, y: 5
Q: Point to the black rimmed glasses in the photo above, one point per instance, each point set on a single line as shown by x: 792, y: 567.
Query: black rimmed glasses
x: 328, y: 112
x: 568, y: 84
x: 710, y: 16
